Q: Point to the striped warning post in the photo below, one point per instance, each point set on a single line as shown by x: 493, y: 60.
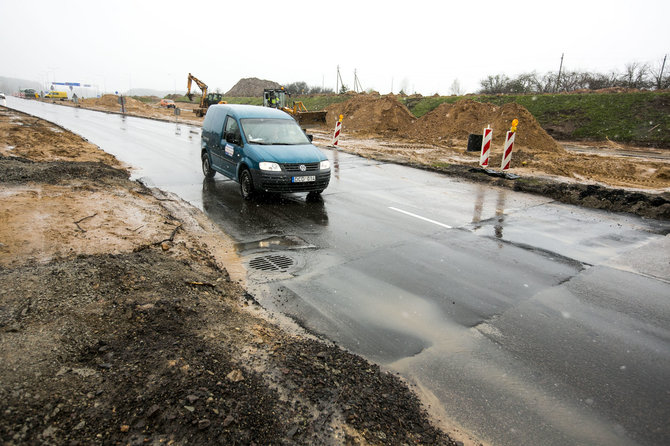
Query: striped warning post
x: 507, y: 153
x: 486, y: 147
x: 338, y: 129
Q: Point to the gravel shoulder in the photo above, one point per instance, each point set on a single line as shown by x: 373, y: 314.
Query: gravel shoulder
x: 122, y: 321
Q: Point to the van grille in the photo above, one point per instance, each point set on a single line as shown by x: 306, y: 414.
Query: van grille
x: 295, y: 167
x: 282, y: 183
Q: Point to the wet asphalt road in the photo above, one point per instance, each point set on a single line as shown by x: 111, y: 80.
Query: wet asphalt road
x: 530, y: 321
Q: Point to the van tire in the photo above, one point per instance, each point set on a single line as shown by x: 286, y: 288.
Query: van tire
x: 207, y: 166
x: 246, y: 185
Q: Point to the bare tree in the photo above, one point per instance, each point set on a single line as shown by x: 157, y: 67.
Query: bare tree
x: 495, y: 84
x: 635, y: 75
x: 455, y: 88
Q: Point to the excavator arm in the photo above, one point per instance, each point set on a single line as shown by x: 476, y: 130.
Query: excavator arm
x: 200, y: 84
x: 203, y: 88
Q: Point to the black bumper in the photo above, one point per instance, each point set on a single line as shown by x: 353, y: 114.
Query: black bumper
x: 283, y: 181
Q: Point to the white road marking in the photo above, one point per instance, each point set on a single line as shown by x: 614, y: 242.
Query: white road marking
x: 421, y: 218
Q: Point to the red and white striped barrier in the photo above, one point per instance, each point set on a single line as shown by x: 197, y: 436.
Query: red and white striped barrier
x: 507, y: 153
x: 486, y: 147
x: 338, y: 129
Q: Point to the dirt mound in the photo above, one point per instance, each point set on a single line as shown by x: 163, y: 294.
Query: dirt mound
x: 464, y: 117
x: 111, y: 102
x: 251, y: 86
x: 371, y: 113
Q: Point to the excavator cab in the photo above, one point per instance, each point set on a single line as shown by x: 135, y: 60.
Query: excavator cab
x: 275, y: 98
x: 214, y: 98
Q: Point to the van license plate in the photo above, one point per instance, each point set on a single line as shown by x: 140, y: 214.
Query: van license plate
x: 304, y: 179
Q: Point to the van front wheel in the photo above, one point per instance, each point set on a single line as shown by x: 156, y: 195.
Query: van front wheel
x: 207, y: 166
x: 246, y: 185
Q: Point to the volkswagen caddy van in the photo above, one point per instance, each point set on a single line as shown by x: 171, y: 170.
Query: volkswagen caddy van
x: 263, y: 149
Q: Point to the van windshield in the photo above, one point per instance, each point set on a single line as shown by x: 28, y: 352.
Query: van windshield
x: 273, y: 131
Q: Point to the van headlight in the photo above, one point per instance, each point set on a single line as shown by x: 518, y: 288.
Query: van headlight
x: 324, y: 165
x: 274, y: 167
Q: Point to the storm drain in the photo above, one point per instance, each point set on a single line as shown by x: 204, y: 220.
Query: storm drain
x: 271, y: 263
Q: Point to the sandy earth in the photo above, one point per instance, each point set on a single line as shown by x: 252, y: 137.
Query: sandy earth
x: 611, y: 168
x: 123, y: 321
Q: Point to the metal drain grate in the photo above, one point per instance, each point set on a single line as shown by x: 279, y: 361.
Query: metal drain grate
x: 271, y: 263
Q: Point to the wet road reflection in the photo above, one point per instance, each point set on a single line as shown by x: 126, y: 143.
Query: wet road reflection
x: 266, y: 214
x: 500, y: 214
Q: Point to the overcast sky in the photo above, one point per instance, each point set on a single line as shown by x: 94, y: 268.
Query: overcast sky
x: 420, y: 46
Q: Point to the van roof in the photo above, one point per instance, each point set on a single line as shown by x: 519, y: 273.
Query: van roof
x: 241, y: 111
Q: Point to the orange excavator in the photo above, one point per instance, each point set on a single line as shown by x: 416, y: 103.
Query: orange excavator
x: 206, y: 99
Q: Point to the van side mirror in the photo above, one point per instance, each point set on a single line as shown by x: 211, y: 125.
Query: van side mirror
x: 310, y: 137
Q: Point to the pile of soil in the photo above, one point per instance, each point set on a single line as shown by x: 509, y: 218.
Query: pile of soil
x: 251, y: 87
x: 367, y: 113
x: 111, y: 102
x: 464, y: 117
x: 386, y: 116
x: 25, y: 136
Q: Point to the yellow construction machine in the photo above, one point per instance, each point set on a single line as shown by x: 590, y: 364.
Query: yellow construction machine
x: 277, y: 98
x: 206, y: 99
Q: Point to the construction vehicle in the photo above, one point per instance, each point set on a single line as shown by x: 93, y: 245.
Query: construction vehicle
x: 206, y: 99
x: 277, y: 98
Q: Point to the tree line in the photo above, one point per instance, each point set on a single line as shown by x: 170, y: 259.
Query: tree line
x: 303, y: 88
x: 641, y: 76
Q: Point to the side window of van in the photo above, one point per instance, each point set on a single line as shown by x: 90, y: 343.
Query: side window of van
x: 231, y: 129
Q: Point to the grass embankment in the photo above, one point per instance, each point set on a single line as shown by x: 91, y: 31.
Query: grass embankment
x: 637, y: 117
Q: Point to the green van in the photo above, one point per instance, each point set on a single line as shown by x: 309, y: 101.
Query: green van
x: 263, y: 149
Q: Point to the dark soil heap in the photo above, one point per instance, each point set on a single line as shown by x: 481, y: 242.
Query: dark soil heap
x: 251, y: 87
x: 464, y: 117
x: 371, y: 113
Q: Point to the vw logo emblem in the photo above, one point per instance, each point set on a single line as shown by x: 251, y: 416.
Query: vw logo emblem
x: 303, y: 168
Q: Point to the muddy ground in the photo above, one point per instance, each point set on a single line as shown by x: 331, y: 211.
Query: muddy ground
x: 122, y: 321
x: 133, y: 107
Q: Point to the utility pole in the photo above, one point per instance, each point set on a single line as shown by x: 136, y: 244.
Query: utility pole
x: 560, y: 69
x: 339, y: 83
x: 660, y: 76
x: 358, y: 88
